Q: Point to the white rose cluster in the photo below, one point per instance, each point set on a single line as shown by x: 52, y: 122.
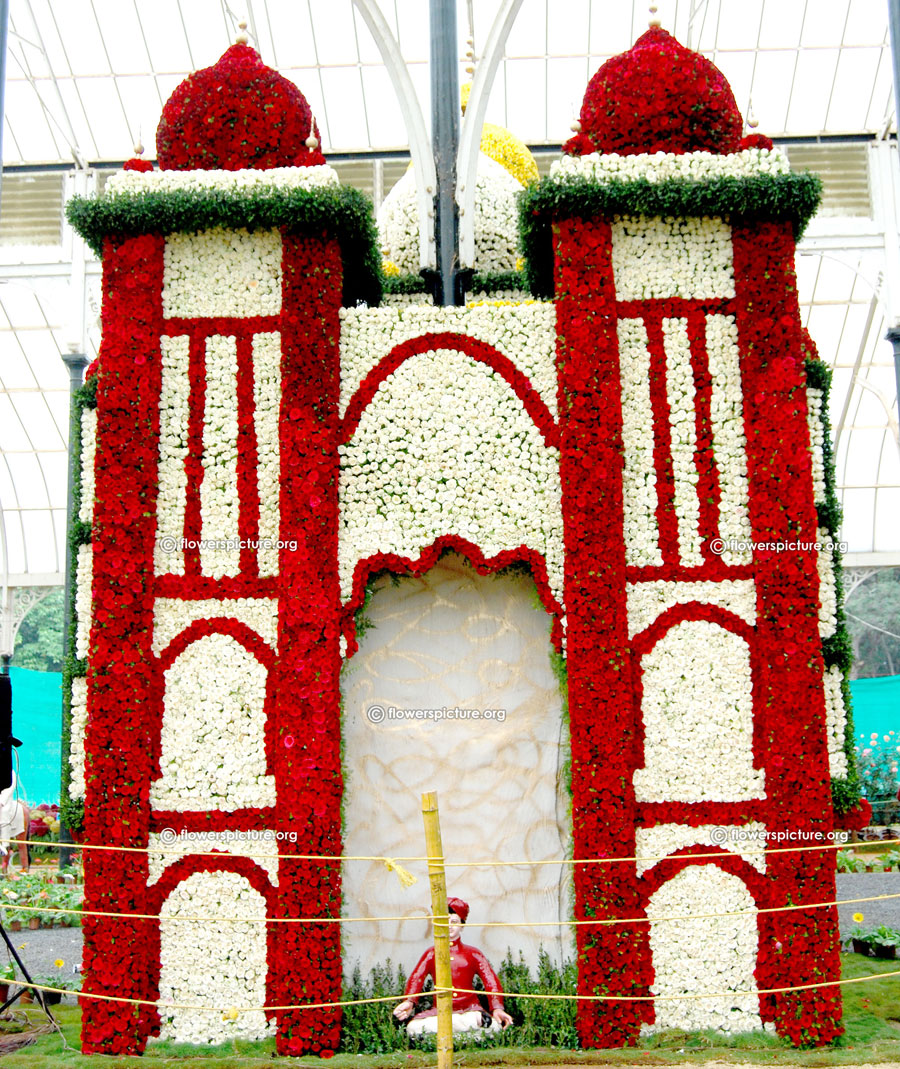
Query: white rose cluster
x: 709, y: 954
x: 698, y: 718
x: 683, y: 436
x: 219, y: 501
x: 88, y: 455
x: 84, y: 582
x: 77, y: 729
x: 262, y: 851
x: 835, y: 721
x: 827, y: 586
x: 814, y: 404
x: 748, y: 841
x: 664, y: 166
x: 171, y: 616
x: 726, y: 412
x: 647, y: 601
x: 266, y: 414
x: 657, y: 257
x: 446, y: 447
x: 213, y: 730
x: 639, y: 474
x: 406, y: 300
x: 243, y: 181
x: 496, y: 220
x: 524, y: 333
x: 220, y: 964
x: 174, y: 399
x: 222, y: 273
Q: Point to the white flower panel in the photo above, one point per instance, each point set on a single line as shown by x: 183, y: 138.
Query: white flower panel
x: 827, y: 585
x: 262, y: 851
x: 446, y: 447
x: 683, y: 432
x: 222, y: 273
x: 639, y: 474
x: 171, y: 616
x: 266, y: 414
x: 647, y: 601
x: 88, y: 454
x: 524, y: 333
x: 814, y: 403
x: 656, y: 257
x: 729, y: 441
x: 698, y: 718
x: 835, y: 721
x: 174, y: 401
x: 84, y: 581
x: 241, y: 182
x: 709, y: 954
x: 213, y: 743
x: 746, y: 840
x: 77, y: 730
x: 662, y: 166
x: 219, y: 502
x: 218, y: 963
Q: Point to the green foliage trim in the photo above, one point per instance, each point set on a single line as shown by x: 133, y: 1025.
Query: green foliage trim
x: 790, y: 197
x: 494, y: 281
x: 342, y: 212
x: 71, y: 810
x: 401, y: 284
x: 837, y: 649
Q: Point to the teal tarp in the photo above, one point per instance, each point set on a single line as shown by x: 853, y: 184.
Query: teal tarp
x: 37, y: 721
x: 876, y: 706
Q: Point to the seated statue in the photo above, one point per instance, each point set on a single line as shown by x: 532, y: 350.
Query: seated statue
x: 465, y: 964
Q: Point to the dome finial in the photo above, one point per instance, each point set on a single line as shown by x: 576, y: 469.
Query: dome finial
x: 654, y: 21
x: 242, y: 37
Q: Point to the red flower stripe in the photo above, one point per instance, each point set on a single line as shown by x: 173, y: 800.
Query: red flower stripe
x: 478, y: 350
x: 678, y: 860
x: 704, y: 457
x: 197, y: 587
x: 247, y: 459
x: 428, y: 558
x: 666, y: 516
x: 193, y: 463
x: 674, y: 307
x: 693, y: 814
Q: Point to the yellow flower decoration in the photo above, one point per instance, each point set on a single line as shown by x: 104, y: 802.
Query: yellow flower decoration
x: 390, y: 268
x: 230, y: 1015
x: 503, y: 147
x: 59, y: 963
x: 858, y: 918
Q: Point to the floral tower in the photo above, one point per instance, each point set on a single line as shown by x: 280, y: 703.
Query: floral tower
x: 260, y: 438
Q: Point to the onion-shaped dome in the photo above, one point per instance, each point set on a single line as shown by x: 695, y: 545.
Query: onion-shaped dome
x: 234, y: 115
x: 657, y: 97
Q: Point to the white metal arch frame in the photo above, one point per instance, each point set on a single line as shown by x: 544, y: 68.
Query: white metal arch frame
x: 419, y: 143
x: 473, y: 121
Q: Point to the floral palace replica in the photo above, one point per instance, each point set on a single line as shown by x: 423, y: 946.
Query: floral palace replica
x: 632, y: 415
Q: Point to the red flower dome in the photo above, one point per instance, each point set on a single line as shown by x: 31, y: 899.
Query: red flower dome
x: 237, y: 114
x: 658, y: 97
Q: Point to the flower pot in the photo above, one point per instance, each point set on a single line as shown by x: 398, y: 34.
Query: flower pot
x: 882, y: 950
x: 4, y: 993
x: 34, y: 923
x: 15, y: 926
x: 52, y: 998
x: 862, y: 946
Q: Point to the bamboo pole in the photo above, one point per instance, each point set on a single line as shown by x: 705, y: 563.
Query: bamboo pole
x: 442, y: 976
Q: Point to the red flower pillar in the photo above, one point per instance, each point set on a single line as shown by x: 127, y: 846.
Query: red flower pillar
x: 799, y: 946
x: 308, y: 726
x: 117, y: 804
x: 612, y: 959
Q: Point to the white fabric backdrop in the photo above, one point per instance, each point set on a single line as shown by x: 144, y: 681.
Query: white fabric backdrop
x: 454, y: 638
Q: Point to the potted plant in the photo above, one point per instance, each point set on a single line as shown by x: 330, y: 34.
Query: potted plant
x: 7, y: 976
x: 859, y: 937
x: 890, y: 860
x: 884, y: 941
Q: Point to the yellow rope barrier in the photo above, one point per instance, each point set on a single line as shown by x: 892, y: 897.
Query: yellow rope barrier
x: 609, y: 921
x: 723, y: 852
x: 459, y: 990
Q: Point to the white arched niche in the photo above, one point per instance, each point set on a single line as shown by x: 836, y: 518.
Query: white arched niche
x: 452, y: 638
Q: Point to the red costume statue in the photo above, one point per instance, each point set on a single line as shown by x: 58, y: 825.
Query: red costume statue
x: 465, y: 964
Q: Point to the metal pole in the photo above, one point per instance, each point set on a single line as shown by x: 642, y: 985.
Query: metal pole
x: 445, y: 108
x: 443, y: 981
x: 76, y: 363
x: 4, y: 29
x: 893, y: 334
